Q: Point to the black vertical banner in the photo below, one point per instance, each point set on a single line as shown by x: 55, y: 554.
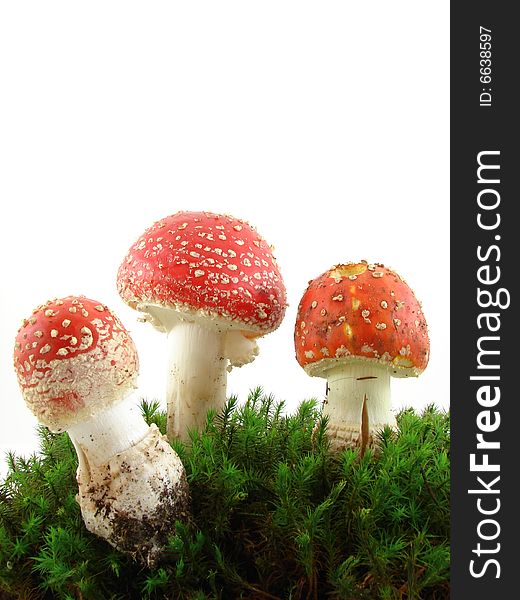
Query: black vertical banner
x: 485, y: 331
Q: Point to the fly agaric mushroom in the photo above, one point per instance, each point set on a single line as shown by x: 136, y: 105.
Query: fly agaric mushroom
x: 212, y: 284
x: 76, y: 366
x: 357, y: 325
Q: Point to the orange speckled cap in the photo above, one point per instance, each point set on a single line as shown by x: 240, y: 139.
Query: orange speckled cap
x: 361, y: 312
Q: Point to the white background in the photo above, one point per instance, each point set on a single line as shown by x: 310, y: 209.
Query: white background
x: 324, y: 124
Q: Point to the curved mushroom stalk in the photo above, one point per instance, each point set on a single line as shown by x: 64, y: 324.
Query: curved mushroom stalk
x: 131, y: 484
x: 358, y: 405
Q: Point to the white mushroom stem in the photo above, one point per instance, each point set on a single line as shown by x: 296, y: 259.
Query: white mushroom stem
x: 197, y: 376
x: 199, y: 360
x: 201, y: 351
x: 132, y: 486
x: 109, y: 433
x: 358, y: 403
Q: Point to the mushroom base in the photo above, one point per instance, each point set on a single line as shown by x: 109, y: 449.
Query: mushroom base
x: 343, y: 437
x: 134, y: 499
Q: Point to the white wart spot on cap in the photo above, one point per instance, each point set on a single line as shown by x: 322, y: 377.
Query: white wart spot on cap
x: 342, y: 351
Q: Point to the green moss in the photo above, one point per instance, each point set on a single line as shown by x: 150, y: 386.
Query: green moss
x: 276, y: 515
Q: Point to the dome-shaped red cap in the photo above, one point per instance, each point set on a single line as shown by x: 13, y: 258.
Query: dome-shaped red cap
x: 73, y: 357
x: 200, y: 261
x: 360, y: 311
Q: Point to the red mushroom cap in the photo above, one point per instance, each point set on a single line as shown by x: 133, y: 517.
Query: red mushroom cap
x: 200, y: 261
x: 360, y: 311
x: 73, y: 357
